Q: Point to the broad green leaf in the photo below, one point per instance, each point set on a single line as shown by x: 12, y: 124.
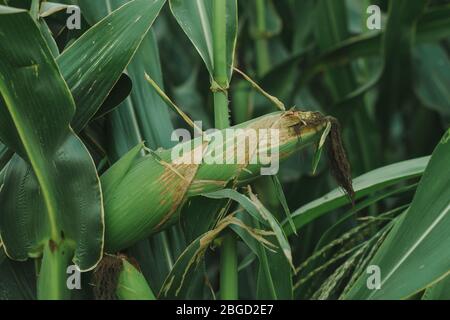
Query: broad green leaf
x: 17, y: 280
x: 254, y: 207
x: 141, y: 117
x: 438, y: 291
x: 363, y: 185
x: 331, y: 30
x: 94, y: 62
x: 193, y: 218
x: 47, y: 34
x: 183, y: 270
x: 95, y: 11
x: 433, y: 26
x: 5, y: 156
x: 57, y: 156
x: 415, y: 253
x: 196, y: 19
x: 89, y: 90
x: 274, y: 280
x: 177, y: 284
x: 278, y: 188
x: 150, y: 113
x: 279, y: 81
x: 337, y: 228
x: 432, y: 77
x: 117, y: 95
x: 277, y: 264
x: 397, y: 44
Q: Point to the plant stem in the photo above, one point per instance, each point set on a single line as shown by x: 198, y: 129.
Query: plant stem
x: 262, y: 50
x: 221, y: 117
x: 52, y: 280
x: 229, y: 267
x: 264, y: 185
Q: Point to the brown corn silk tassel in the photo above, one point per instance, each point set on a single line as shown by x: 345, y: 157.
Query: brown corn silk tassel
x: 338, y: 161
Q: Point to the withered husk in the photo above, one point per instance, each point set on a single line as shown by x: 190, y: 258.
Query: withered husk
x: 338, y: 161
x: 106, y: 277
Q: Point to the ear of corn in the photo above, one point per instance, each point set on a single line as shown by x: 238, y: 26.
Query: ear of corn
x: 132, y: 284
x: 157, y: 186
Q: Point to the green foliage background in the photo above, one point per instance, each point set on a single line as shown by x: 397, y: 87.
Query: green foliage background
x: 389, y: 89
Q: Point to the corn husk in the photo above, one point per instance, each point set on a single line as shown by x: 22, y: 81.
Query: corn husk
x: 143, y: 195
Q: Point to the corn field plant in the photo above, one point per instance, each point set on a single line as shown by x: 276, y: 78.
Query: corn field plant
x: 94, y: 205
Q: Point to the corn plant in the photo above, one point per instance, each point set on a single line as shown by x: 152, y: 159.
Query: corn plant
x: 97, y: 200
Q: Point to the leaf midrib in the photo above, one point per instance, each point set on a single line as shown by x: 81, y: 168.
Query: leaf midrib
x: 41, y: 177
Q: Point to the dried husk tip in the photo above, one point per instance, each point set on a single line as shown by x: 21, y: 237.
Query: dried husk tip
x: 116, y: 278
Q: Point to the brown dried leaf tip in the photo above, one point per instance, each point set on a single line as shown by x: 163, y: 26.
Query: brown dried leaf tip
x: 338, y: 161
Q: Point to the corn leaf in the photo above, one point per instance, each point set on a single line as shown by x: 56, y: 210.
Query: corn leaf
x: 195, y: 18
x: 17, y: 280
x: 5, y: 156
x: 415, y: 253
x: 397, y: 44
x: 254, y: 207
x: 143, y: 116
x: 92, y: 64
x: 433, y: 26
x: 363, y: 185
x: 274, y: 279
x: 438, y: 291
x: 432, y: 77
x: 55, y: 153
x: 150, y: 114
x: 183, y: 271
x: 332, y: 29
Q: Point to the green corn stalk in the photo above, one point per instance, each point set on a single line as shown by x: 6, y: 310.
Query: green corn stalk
x: 157, y: 187
x: 52, y: 277
x: 228, y: 259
